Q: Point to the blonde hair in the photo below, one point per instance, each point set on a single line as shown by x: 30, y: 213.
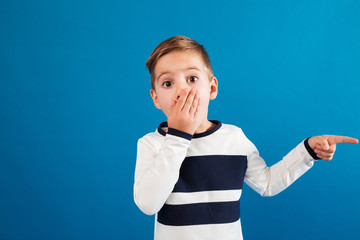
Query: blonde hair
x: 176, y: 43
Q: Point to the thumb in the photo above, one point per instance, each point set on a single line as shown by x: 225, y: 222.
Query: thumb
x: 325, y: 144
x: 319, y: 141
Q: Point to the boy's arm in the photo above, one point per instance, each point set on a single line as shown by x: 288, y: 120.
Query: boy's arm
x: 269, y: 181
x: 157, y: 172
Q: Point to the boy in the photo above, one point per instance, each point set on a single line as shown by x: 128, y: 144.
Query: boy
x: 190, y: 171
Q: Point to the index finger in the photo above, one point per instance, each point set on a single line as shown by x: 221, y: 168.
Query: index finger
x: 342, y: 139
x: 182, y: 99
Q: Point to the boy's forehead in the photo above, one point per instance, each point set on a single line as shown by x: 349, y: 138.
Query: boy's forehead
x: 178, y: 61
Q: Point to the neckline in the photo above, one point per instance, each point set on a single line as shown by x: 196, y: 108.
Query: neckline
x: 196, y: 135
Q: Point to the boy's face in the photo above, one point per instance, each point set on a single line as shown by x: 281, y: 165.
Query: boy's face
x: 181, y: 70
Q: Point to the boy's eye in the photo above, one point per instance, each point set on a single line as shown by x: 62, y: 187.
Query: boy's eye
x: 192, y: 79
x: 167, y: 84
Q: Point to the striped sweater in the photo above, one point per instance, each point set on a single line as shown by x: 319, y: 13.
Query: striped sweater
x: 193, y: 183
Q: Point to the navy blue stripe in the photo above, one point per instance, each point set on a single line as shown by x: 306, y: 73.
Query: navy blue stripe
x: 214, y: 172
x: 179, y: 133
x: 199, y: 213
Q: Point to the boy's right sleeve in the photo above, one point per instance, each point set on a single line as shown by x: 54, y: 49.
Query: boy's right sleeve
x: 157, y: 169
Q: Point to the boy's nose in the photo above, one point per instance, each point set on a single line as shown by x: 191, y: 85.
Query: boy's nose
x: 181, y: 90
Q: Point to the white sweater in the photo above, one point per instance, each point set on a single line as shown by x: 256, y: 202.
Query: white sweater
x: 193, y: 183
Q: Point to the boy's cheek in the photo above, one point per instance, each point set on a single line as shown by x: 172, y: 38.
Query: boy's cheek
x: 204, y: 97
x: 204, y: 102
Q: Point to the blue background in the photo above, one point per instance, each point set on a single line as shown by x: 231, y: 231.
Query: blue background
x: 74, y: 99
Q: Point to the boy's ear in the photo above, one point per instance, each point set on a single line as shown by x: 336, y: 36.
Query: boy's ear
x: 213, y: 88
x: 154, y: 98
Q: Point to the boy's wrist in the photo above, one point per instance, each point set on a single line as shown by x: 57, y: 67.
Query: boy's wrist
x: 179, y: 133
x: 310, y: 150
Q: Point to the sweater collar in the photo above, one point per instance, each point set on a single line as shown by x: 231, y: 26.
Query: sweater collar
x: 196, y: 135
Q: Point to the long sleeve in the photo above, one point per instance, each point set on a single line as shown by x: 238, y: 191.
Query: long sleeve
x: 193, y: 183
x: 157, y: 169
x: 269, y: 181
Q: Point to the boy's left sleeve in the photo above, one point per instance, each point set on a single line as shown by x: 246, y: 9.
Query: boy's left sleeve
x: 269, y: 181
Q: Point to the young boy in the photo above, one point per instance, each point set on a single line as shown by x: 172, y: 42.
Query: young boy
x: 190, y: 171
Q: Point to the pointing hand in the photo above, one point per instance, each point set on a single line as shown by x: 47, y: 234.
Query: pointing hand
x: 324, y: 146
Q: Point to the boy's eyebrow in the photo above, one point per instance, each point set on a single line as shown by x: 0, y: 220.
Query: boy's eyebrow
x: 189, y: 68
